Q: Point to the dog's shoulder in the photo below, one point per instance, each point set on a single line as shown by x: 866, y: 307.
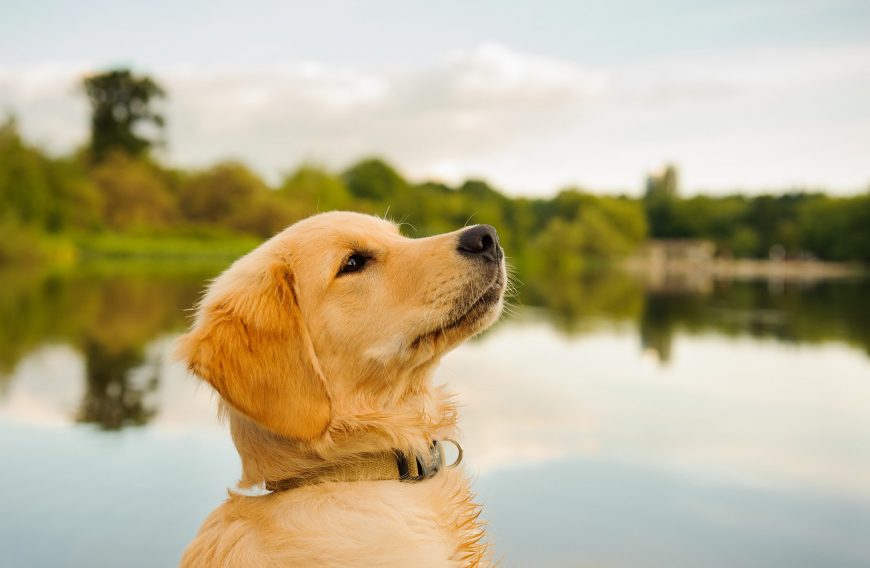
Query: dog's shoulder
x: 421, y: 524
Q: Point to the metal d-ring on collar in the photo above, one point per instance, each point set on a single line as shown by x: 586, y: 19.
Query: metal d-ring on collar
x: 458, y: 459
x: 427, y: 465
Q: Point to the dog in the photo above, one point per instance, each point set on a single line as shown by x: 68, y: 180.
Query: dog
x: 322, y: 343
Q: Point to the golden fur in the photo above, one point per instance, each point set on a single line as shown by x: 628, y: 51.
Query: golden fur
x: 314, y: 366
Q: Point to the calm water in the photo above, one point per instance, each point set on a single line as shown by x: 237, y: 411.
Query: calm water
x: 606, y: 422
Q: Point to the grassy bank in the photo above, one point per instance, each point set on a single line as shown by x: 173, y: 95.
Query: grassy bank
x: 22, y: 246
x: 114, y: 246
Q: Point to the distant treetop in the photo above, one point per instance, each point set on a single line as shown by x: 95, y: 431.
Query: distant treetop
x: 122, y: 113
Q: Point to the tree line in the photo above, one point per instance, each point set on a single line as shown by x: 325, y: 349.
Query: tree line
x: 792, y: 224
x: 116, y: 186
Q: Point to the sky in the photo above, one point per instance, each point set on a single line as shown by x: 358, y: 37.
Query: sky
x: 757, y: 96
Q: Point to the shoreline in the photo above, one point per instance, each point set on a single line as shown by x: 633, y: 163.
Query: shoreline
x: 752, y: 268
x: 699, y: 276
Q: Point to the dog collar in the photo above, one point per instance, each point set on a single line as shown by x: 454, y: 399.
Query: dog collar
x: 395, y: 465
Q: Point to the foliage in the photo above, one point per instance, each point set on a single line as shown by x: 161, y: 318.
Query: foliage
x: 111, y: 315
x: 836, y: 229
x: 24, y: 187
x: 314, y: 185
x: 110, y: 318
x: 215, y: 195
x: 41, y: 192
x: 799, y: 223
x: 23, y: 245
x: 127, y: 203
x: 584, y: 228
x: 76, y: 202
x: 375, y: 181
x: 121, y: 106
x: 135, y: 193
x: 120, y: 216
x: 164, y: 247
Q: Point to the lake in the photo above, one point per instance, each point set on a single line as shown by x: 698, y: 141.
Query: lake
x: 608, y: 421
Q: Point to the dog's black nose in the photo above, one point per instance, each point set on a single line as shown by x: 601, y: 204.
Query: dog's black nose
x: 480, y: 241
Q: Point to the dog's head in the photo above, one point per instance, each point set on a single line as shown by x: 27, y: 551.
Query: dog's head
x: 336, y: 303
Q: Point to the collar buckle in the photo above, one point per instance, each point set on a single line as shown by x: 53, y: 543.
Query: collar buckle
x: 423, y: 466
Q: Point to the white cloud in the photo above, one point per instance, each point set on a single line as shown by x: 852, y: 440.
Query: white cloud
x: 45, y: 98
x: 493, y: 74
x: 34, y: 395
x: 529, y: 123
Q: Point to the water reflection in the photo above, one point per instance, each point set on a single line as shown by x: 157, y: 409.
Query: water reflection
x: 112, y: 399
x: 791, y: 311
x: 732, y: 412
x: 737, y: 410
x: 110, y: 316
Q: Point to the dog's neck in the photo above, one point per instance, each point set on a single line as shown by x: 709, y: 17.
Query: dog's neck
x: 409, y: 425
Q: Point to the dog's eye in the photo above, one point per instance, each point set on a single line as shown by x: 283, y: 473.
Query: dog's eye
x: 353, y: 263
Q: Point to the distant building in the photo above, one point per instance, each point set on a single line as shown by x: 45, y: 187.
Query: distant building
x: 679, y: 251
x: 663, y: 184
x: 677, y: 266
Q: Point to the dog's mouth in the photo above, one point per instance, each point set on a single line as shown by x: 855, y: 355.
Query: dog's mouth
x: 467, y: 315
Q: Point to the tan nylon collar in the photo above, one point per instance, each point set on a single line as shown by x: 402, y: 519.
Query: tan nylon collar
x: 381, y: 466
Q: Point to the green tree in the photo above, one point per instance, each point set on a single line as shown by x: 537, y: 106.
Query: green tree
x: 77, y: 202
x: 220, y: 192
x: 744, y: 242
x: 122, y: 108
x: 265, y: 215
x: 24, y: 186
x: 483, y: 203
x: 374, y: 180
x: 311, y: 189
x: 585, y: 230
x: 660, y: 199
x: 836, y: 228
x: 136, y: 193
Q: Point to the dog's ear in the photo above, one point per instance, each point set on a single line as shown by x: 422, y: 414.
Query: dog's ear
x: 252, y: 345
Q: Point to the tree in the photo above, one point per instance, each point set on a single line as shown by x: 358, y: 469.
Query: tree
x: 836, y: 228
x: 660, y: 199
x: 77, y: 202
x: 586, y: 231
x: 24, y: 186
x: 663, y: 184
x: 217, y: 194
x: 374, y: 180
x: 42, y: 192
x: 136, y: 193
x: 121, y: 107
x: 311, y: 189
x: 265, y: 215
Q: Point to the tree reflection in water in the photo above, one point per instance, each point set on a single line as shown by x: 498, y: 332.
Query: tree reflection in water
x: 113, y: 398
x: 795, y: 311
x: 112, y: 314
x: 110, y: 317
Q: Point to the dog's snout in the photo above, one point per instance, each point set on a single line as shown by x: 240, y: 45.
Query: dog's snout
x: 480, y: 241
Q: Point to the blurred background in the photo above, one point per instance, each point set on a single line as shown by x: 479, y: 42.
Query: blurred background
x: 682, y: 188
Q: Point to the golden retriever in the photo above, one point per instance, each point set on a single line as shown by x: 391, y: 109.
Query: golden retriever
x: 322, y: 343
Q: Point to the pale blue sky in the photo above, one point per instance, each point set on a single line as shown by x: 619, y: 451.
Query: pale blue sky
x: 377, y: 32
x: 532, y: 95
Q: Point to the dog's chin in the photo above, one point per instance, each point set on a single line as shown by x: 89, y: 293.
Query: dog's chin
x: 467, y: 320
